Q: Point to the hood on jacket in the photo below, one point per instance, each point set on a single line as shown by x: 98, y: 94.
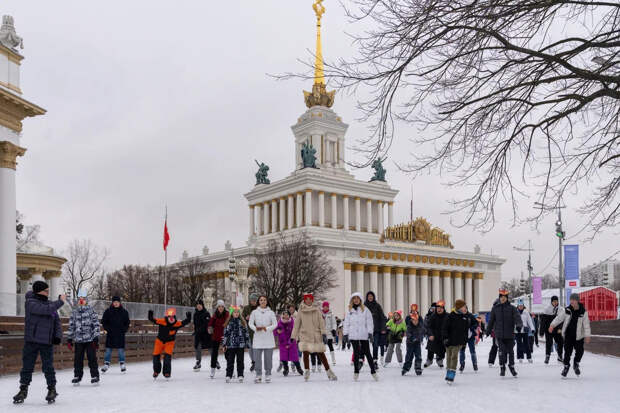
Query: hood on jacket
x: 303, y: 307
x: 374, y: 297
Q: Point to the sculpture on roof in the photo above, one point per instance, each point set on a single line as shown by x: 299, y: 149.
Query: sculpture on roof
x: 261, y: 175
x: 308, y: 155
x: 380, y: 171
x: 8, y: 36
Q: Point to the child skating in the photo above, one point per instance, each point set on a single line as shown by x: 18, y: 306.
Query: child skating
x: 235, y: 340
x: 164, y: 343
x: 287, y: 345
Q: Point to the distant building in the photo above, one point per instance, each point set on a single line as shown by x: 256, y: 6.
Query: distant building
x: 605, y: 273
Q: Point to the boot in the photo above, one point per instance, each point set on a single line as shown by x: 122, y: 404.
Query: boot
x: 333, y: 357
x: 547, y: 359
x: 280, y: 367
x: 285, y: 369
x: 21, y: 396
x: 462, y: 367
x: 512, y: 371
x: 212, y: 375
x: 94, y: 380
x: 440, y: 363
x: 356, y: 376
x: 252, y: 366
x: 565, y: 370
x: 375, y: 376
x: 475, y: 365
x: 123, y: 368
x: 76, y: 381
x: 428, y: 363
x: 105, y: 367
x: 217, y: 365
x: 51, y: 394
x: 331, y: 375
x: 306, y: 375
x: 299, y: 370
x: 576, y: 368
x: 502, y: 371
x: 197, y: 366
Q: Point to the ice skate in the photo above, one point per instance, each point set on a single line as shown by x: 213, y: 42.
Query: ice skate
x: 521, y: 361
x: 428, y: 363
x: 228, y: 379
x: 306, y: 375
x: 502, y: 371
x: 475, y: 366
x: 576, y: 368
x: 105, y: 367
x: 331, y: 375
x: 418, y: 371
x: 155, y: 376
x: 461, y: 368
x: 333, y: 358
x: 252, y: 366
x: 212, y: 375
x: 94, y: 381
x: 76, y: 381
x: 123, y: 367
x: 375, y: 376
x: 217, y: 365
x: 314, y: 369
x: 512, y: 371
x: 267, y: 379
x: 280, y: 367
x: 565, y: 371
x: 197, y: 366
x: 51, y: 395
x: 530, y: 361
x: 356, y: 376
x: 258, y: 379
x: 21, y: 396
x: 240, y: 379
x: 547, y: 359
x: 450, y: 374
x: 299, y: 370
x: 318, y: 368
x: 440, y: 363
x: 385, y: 365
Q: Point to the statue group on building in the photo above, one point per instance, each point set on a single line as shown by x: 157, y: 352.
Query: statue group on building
x: 379, y: 175
x: 261, y: 175
x: 308, y: 155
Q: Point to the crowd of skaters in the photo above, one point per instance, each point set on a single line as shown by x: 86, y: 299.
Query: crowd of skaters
x: 304, y: 333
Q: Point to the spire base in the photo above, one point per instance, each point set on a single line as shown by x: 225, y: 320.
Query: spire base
x: 319, y: 96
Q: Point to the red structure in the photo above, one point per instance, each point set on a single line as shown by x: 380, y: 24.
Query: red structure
x: 601, y: 303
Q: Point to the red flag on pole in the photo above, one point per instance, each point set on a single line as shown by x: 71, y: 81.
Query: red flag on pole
x: 166, y: 234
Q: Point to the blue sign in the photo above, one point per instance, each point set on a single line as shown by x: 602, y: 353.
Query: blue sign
x: 571, y: 269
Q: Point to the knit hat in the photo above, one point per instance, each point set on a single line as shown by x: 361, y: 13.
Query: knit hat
x: 233, y: 308
x: 441, y: 304
x: 116, y: 298
x: 555, y: 298
x: 520, y: 302
x: 400, y: 312
x: 458, y: 304
x: 171, y: 312
x: 413, y: 307
x: 202, y: 303
x: 39, y: 286
x: 308, y: 295
x: 253, y: 297
x: 82, y: 292
x: 220, y: 303
x: 574, y: 296
x: 326, y: 304
x: 358, y: 295
x: 503, y: 291
x: 433, y: 305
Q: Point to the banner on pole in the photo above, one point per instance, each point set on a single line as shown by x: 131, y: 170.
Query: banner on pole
x: 537, y: 290
x: 571, y: 269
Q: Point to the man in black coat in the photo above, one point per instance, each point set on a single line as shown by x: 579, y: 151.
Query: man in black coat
x: 202, y: 338
x: 379, y: 321
x: 430, y: 355
x: 115, y: 323
x: 505, y: 320
x: 42, y: 330
x: 546, y: 317
x: 434, y: 331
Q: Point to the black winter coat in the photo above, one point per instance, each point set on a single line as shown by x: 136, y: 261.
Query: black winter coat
x: 378, y: 317
x: 455, y: 328
x: 116, y: 322
x: 504, y: 318
x: 434, y: 328
x: 201, y: 322
x: 415, y: 332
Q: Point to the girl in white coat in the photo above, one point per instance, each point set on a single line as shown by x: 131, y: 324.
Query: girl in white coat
x: 523, y: 340
x: 330, y: 328
x: 358, y: 329
x: 263, y: 322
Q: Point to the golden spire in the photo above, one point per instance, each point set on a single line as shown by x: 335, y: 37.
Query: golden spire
x: 319, y: 95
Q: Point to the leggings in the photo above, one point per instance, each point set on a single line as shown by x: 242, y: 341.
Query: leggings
x: 330, y: 344
x: 361, y: 348
x: 320, y: 356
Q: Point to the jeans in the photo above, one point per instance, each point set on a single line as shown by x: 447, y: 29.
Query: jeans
x: 452, y: 356
x: 523, y: 346
x: 232, y: 355
x: 29, y: 358
x: 390, y: 351
x: 506, y: 351
x: 361, y: 348
x: 569, y: 344
x: 107, y: 358
x: 78, y: 362
x: 471, y: 343
x: 413, y: 349
x: 259, y: 354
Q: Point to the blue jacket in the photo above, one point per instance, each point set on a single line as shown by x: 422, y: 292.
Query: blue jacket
x: 83, y: 324
x: 42, y: 324
x: 235, y: 335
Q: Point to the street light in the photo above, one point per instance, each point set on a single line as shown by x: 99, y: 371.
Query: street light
x: 561, y: 234
x: 529, y: 270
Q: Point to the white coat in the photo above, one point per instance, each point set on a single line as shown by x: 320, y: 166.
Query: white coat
x: 526, y: 318
x: 330, y: 321
x: 358, y: 323
x: 583, y: 323
x: 263, y: 317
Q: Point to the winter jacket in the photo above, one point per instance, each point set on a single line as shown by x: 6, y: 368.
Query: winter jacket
x: 286, y: 344
x: 415, y: 332
x: 547, y: 316
x: 427, y: 322
x: 473, y: 325
x: 235, y: 335
x: 503, y: 321
x: 583, y: 322
x: 526, y: 320
x: 378, y: 317
x: 83, y: 324
x: 358, y: 323
x: 247, y: 311
x: 435, y: 325
x: 115, y: 322
x: 396, y: 331
x: 309, y: 329
x: 263, y: 317
x: 201, y: 324
x: 42, y: 324
x: 167, y: 331
x: 455, y: 328
x: 216, y: 325
x: 330, y: 321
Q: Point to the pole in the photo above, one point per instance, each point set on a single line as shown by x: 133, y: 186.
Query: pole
x: 529, y: 267
x: 166, y: 265
x: 560, y: 269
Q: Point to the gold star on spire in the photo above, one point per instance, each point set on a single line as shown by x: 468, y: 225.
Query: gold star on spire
x: 319, y: 95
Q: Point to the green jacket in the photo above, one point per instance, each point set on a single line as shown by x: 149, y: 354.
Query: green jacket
x: 396, y: 332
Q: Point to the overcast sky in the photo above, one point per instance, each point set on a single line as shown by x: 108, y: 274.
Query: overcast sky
x: 157, y: 102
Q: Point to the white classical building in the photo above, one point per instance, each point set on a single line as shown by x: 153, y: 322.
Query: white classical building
x: 352, y: 221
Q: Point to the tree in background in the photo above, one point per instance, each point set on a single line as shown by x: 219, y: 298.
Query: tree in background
x: 25, y: 234
x: 85, y: 263
x: 291, y: 267
x: 550, y: 281
x: 513, y: 287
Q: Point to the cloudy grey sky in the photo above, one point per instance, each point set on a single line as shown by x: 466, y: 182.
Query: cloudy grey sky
x: 156, y: 102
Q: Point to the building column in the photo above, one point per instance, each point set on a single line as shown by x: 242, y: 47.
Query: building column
x: 380, y: 217
x: 24, y: 282
x: 282, y: 209
x: 374, y: 278
x: 400, y: 289
x: 259, y: 217
x: 390, y: 214
x: 358, y: 215
x: 359, y: 278
x: 37, y: 275
x: 387, y: 289
x: 266, y: 226
x: 424, y: 293
x: 478, y: 277
x: 469, y: 297
x: 369, y: 215
x: 458, y: 285
x: 308, y: 207
x: 274, y: 216
x: 345, y: 212
x: 252, y: 224
x: 413, y: 290
x: 321, y: 209
x: 435, y: 285
x: 300, y: 209
x: 290, y: 222
x: 53, y: 280
x: 347, y: 286
x: 447, y: 287
x: 334, y: 198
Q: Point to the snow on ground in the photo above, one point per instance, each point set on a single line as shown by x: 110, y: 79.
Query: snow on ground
x: 538, y: 388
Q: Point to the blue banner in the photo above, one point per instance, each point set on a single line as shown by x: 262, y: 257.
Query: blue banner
x: 571, y: 269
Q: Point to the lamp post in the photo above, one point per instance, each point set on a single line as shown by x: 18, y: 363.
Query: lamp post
x: 238, y: 275
x: 529, y: 269
x: 561, y: 234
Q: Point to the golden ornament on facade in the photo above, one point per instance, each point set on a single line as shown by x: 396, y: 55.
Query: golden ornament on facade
x: 371, y: 254
x: 379, y: 255
x: 418, y: 230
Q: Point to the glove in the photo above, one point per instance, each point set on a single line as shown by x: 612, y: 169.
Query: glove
x: 370, y: 337
x: 188, y: 315
x: 56, y: 341
x: 70, y: 344
x: 518, y: 329
x: 324, y: 338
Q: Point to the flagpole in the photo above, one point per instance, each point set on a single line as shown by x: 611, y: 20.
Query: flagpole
x: 165, y: 267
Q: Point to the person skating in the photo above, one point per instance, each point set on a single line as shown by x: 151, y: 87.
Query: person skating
x: 523, y: 336
x: 83, y: 338
x: 309, y: 332
x: 247, y: 311
x: 415, y: 335
x: 380, y: 330
x: 396, y: 331
x: 164, y: 343
x: 115, y: 322
x: 202, y: 338
x: 42, y: 330
x: 435, y: 329
x: 216, y: 330
x: 454, y: 335
x: 504, y: 321
x: 546, y: 317
x: 263, y: 322
x: 287, y: 345
x: 575, y: 330
x: 359, y: 330
x: 472, y: 336
x: 430, y: 354
x: 534, y: 335
x: 330, y: 327
x: 235, y: 339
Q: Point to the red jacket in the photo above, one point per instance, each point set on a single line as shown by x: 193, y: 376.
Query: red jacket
x: 217, y: 322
